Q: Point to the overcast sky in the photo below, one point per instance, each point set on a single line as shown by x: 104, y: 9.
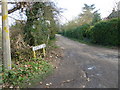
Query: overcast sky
x: 74, y: 7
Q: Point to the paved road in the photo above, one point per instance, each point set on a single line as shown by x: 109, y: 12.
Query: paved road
x: 84, y: 66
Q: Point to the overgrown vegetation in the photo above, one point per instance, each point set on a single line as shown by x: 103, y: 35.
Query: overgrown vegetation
x: 102, y: 33
x: 40, y: 27
x: 41, y: 23
x: 91, y: 29
x: 19, y: 48
x: 106, y: 33
x: 23, y: 73
x: 26, y: 71
x: 80, y: 32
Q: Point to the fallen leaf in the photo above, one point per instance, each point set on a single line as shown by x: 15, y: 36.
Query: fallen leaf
x: 56, y: 67
x: 11, y: 86
x: 50, y: 83
x: 26, y: 66
x: 29, y: 83
x: 56, y: 57
x: 41, y: 83
x: 68, y: 81
x: 83, y: 86
x: 88, y: 79
x: 47, y: 84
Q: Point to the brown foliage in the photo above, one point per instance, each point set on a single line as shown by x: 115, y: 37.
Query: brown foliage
x: 19, y: 47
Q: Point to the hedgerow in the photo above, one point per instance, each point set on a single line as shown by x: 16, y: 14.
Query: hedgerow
x: 80, y: 32
x: 106, y: 33
x: 103, y: 33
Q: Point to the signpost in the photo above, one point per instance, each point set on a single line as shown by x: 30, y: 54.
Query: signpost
x: 42, y: 46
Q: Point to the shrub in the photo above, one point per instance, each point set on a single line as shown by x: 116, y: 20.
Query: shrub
x: 19, y: 48
x: 106, y: 32
x: 80, y: 32
x: 83, y: 31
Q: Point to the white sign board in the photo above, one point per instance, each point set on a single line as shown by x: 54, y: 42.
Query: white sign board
x: 39, y: 47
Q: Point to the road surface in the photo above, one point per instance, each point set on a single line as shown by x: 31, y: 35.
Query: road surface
x: 83, y: 66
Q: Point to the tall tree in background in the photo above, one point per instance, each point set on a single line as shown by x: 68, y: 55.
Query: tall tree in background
x: 89, y: 16
x: 96, y: 17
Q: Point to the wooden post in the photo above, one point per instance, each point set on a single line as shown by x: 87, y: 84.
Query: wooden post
x: 5, y: 37
x: 34, y: 54
x: 44, y: 52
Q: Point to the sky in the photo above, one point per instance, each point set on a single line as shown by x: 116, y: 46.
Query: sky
x: 74, y: 7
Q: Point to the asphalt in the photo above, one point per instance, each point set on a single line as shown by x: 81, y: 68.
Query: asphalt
x: 83, y: 66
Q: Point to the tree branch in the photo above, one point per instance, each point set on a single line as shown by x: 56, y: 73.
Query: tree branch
x: 14, y: 9
x: 17, y: 7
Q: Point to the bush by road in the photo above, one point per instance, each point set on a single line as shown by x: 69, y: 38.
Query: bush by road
x: 103, y: 33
